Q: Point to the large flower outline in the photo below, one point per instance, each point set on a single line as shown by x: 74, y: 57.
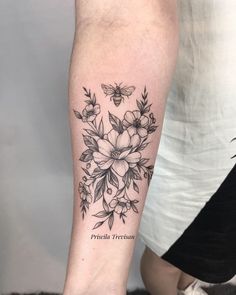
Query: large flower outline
x: 115, y: 151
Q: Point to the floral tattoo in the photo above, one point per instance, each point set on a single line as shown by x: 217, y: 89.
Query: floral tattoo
x: 117, y: 155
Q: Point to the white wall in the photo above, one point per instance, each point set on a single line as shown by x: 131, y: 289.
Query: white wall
x: 35, y: 157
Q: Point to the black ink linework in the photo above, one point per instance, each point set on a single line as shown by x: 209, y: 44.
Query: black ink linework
x: 113, y: 161
x: 117, y: 93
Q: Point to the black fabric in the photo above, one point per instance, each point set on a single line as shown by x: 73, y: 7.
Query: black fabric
x: 207, y: 248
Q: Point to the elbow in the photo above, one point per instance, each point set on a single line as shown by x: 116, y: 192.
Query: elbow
x: 133, y: 18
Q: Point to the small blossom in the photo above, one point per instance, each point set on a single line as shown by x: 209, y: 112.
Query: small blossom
x: 136, y: 123
x: 120, y: 205
x: 90, y: 112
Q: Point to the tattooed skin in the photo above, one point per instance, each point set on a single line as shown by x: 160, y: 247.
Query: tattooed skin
x: 113, y: 161
x: 117, y: 93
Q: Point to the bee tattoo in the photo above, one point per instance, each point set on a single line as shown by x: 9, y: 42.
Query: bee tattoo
x: 117, y: 92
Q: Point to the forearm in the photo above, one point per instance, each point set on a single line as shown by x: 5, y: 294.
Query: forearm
x: 113, y: 163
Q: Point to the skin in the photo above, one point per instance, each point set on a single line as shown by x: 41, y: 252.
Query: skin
x: 134, y: 42
x: 161, y: 277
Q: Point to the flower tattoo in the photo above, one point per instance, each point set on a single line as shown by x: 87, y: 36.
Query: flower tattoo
x: 136, y: 123
x: 113, y: 161
x: 90, y: 112
x: 116, y: 152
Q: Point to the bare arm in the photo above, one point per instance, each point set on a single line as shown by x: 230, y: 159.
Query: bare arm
x: 123, y: 59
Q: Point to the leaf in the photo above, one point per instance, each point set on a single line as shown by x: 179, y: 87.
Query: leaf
x: 145, y: 89
x: 135, y: 187
x: 101, y: 129
x: 105, y: 205
x: 116, y: 123
x: 147, y: 109
x: 150, y: 172
x: 77, y: 114
x: 97, y: 172
x: 87, y: 204
x: 136, y: 174
x: 139, y: 105
x: 144, y: 102
x: 128, y: 177
x: 91, y: 132
x: 86, y: 171
x: 150, y: 168
x: 99, y: 189
x: 111, y: 221
x: 112, y: 178
x: 101, y: 214
x: 87, y: 92
x: 139, y: 169
x: 143, y: 161
x: 142, y: 146
x: 152, y: 129
x: 86, y: 156
x: 93, y: 100
x: 120, y: 191
x: 90, y: 142
x: 135, y: 209
x: 145, y: 93
x: 98, y: 224
x: 122, y: 216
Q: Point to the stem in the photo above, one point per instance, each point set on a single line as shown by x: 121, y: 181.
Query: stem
x: 111, y: 212
x: 127, y: 195
x: 92, y: 125
x: 121, y: 190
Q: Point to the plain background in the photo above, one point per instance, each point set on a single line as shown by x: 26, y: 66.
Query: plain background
x: 35, y: 156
